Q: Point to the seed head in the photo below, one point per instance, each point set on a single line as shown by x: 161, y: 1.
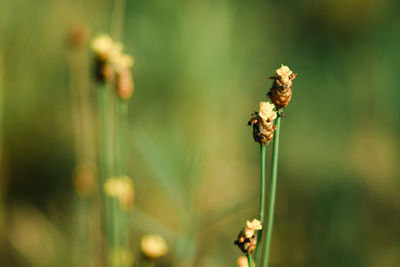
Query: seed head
x: 247, y: 238
x: 263, y: 123
x: 153, y: 246
x: 282, y: 87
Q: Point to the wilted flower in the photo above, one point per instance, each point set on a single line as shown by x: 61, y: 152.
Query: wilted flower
x: 263, y: 123
x: 153, y: 246
x: 247, y: 238
x: 282, y: 87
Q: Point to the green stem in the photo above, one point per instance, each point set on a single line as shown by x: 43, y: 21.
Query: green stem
x: 262, y: 198
x: 117, y: 19
x: 105, y: 160
x: 121, y: 223
x: 271, y: 204
x: 249, y: 260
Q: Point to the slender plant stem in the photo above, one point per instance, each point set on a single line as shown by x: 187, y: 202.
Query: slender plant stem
x: 249, y: 260
x: 121, y: 218
x: 117, y: 19
x: 105, y: 162
x: 271, y: 204
x: 262, y: 199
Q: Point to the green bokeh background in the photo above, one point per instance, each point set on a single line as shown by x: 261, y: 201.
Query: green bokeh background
x: 201, y: 68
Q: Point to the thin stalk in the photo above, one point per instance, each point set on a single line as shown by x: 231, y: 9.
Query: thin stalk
x: 105, y: 161
x: 271, y: 204
x: 262, y: 199
x: 249, y: 260
x: 123, y: 114
x: 121, y: 218
x: 117, y: 19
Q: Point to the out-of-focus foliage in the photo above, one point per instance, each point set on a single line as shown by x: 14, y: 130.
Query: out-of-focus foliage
x: 201, y: 68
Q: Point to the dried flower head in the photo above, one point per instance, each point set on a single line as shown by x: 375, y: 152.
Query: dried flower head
x: 247, y: 238
x: 263, y: 123
x: 153, y: 246
x: 282, y: 87
x: 121, y: 188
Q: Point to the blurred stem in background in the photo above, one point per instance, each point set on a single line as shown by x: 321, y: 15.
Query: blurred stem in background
x: 271, y: 204
x: 105, y: 160
x: 84, y: 173
x: 262, y: 199
x: 2, y: 174
x: 121, y: 209
x: 117, y: 20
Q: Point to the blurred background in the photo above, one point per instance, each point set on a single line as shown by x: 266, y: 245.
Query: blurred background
x: 201, y: 68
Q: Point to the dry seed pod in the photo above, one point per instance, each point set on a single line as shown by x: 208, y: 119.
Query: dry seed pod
x: 282, y: 87
x: 263, y: 123
x: 247, y: 239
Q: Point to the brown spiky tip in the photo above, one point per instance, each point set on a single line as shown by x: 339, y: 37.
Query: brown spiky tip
x: 282, y: 87
x: 247, y: 239
x: 263, y: 123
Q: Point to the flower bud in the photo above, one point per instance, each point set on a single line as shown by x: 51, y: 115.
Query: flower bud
x: 282, y: 88
x: 263, y: 123
x: 105, y: 50
x: 247, y: 238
